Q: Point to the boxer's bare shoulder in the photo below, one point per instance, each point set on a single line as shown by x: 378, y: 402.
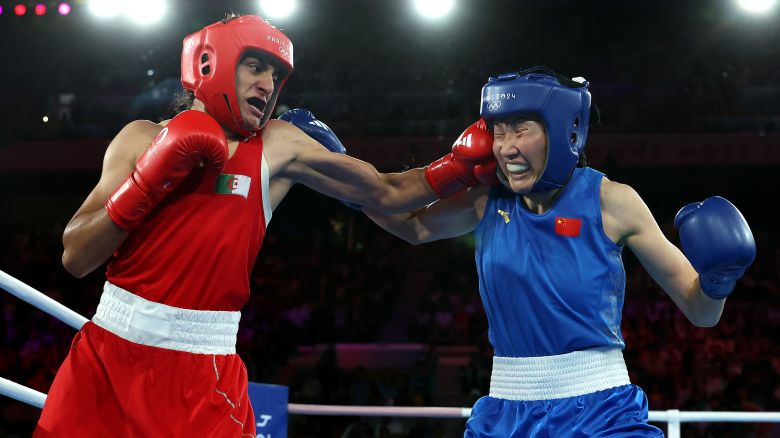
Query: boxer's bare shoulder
x: 134, y: 139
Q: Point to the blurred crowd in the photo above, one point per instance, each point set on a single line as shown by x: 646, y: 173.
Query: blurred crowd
x: 403, y: 78
x: 439, y: 96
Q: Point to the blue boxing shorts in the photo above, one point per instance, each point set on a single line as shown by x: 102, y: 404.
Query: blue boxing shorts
x: 615, y: 412
x: 579, y: 394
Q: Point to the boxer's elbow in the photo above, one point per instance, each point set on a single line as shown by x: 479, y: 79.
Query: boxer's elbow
x: 703, y: 319
x: 74, y: 265
x: 90, y: 243
x: 418, y: 234
x: 412, y: 238
x: 71, y: 260
x: 704, y: 322
x: 408, y: 236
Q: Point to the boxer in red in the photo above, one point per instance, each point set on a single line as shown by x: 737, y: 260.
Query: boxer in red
x: 181, y: 234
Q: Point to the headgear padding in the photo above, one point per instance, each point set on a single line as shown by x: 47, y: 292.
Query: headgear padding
x: 562, y: 104
x: 209, y: 59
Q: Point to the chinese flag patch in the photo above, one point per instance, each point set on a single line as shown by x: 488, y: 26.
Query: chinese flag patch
x: 566, y: 226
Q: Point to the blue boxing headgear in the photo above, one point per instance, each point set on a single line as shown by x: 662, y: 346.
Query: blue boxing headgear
x: 562, y: 104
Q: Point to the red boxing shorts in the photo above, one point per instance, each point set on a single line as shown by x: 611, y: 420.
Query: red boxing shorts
x: 109, y: 386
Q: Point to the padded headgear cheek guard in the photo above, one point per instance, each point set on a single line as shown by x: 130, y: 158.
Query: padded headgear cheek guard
x: 209, y: 59
x: 562, y: 104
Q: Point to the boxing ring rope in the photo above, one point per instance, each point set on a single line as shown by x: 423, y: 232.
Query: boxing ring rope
x: 378, y: 411
x: 22, y: 393
x: 672, y: 417
x: 41, y: 301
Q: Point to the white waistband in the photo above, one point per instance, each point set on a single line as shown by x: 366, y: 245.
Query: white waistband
x: 158, y: 325
x: 560, y: 376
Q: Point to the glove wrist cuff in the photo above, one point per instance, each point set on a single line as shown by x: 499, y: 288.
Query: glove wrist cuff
x: 128, y: 206
x: 443, y: 178
x: 717, y: 290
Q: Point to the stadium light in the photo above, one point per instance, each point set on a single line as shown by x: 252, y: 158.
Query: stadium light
x: 433, y: 8
x: 277, y: 8
x: 20, y: 10
x: 756, y: 6
x: 145, y: 12
x: 63, y: 9
x: 105, y: 8
x: 40, y: 9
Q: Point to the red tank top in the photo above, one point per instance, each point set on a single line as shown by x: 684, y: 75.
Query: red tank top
x: 196, y: 248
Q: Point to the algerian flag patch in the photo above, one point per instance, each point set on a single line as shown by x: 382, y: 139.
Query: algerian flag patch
x: 233, y: 185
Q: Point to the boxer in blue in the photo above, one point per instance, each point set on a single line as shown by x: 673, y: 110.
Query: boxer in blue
x: 549, y: 238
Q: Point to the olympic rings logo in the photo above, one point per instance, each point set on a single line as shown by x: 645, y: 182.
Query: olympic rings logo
x: 284, y: 50
x: 494, y: 105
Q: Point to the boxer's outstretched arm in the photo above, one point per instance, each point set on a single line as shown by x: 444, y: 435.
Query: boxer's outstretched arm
x: 443, y: 219
x: 305, y: 161
x: 358, y: 182
x: 91, y: 237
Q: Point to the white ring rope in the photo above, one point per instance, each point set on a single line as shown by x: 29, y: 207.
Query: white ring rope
x: 41, y: 301
x: 379, y: 411
x: 57, y: 310
x: 414, y: 411
x: 22, y: 393
x: 35, y: 398
x: 715, y: 416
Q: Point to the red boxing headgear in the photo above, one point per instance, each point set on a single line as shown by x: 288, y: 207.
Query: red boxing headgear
x: 209, y: 59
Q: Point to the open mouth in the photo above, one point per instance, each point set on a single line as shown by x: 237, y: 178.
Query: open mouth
x: 257, y: 103
x: 256, y: 107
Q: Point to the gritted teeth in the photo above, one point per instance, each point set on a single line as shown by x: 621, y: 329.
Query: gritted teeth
x: 517, y: 168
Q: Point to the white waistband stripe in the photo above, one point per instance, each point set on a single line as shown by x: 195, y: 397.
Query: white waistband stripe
x: 560, y: 376
x: 158, y: 325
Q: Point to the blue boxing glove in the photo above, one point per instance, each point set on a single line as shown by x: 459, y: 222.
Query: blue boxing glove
x: 718, y: 242
x: 306, y: 122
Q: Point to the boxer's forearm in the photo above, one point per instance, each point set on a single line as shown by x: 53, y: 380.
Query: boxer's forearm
x: 404, y: 192
x: 443, y: 219
x: 89, y: 240
x: 403, y: 226
x: 704, y: 311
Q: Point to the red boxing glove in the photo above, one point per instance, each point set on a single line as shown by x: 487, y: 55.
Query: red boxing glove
x: 486, y: 173
x: 456, y: 171
x: 189, y: 139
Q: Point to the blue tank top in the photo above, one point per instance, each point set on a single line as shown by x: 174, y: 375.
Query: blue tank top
x: 550, y: 283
